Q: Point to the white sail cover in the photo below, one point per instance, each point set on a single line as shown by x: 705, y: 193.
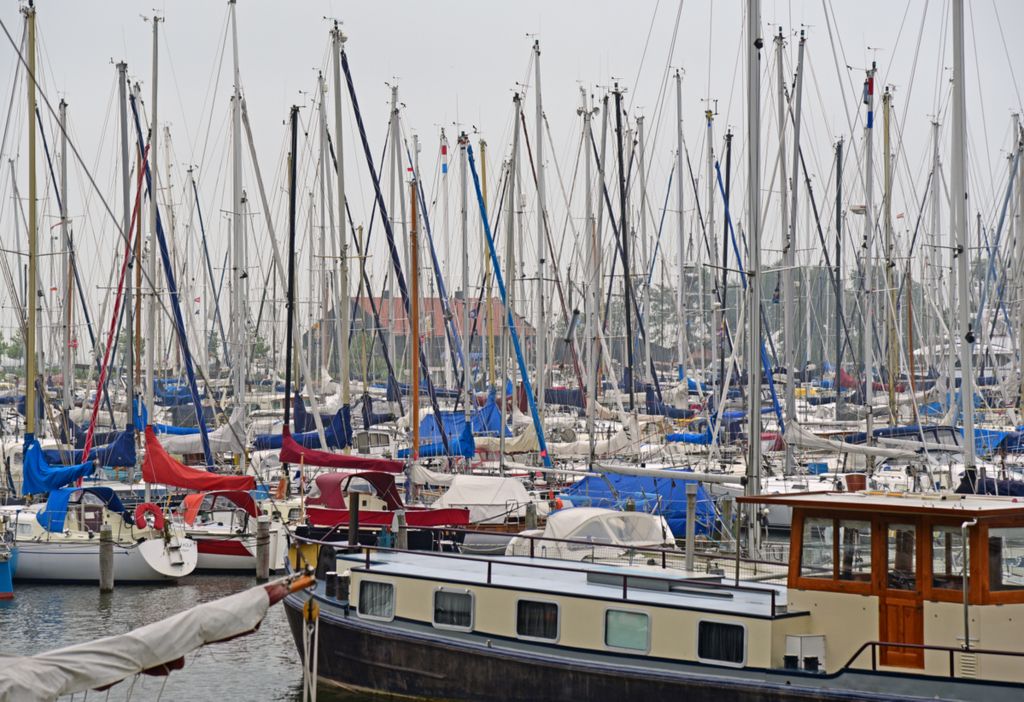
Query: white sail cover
x: 224, y: 439
x: 800, y: 437
x: 489, y: 499
x: 526, y: 442
x: 107, y: 661
x: 626, y: 441
x: 595, y: 525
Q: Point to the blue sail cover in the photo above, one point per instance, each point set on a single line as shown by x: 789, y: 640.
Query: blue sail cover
x: 338, y: 435
x: 568, y: 397
x: 173, y: 392
x: 39, y: 477
x: 461, y: 445
x: 371, y: 418
x: 701, y: 438
x: 662, y: 496
x: 141, y: 419
x: 302, y: 420
x: 51, y: 517
x: 120, y: 453
x: 656, y: 406
x: 78, y: 434
x: 406, y: 389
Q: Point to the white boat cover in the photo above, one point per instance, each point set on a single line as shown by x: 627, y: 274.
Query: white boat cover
x: 800, y: 437
x: 489, y: 499
x: 526, y: 442
x: 598, y: 526
x: 224, y: 439
x: 107, y: 661
x: 626, y: 441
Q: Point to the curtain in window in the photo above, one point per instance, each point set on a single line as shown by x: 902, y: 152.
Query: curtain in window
x: 537, y: 619
x: 376, y: 599
x: 453, y: 608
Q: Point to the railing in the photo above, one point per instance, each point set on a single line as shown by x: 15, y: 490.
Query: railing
x: 682, y: 585
x: 950, y: 650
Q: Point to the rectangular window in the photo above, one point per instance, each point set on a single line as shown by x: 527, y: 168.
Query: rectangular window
x: 854, y: 550
x: 901, y: 566
x: 948, y: 558
x: 1006, y: 559
x: 376, y: 599
x: 537, y: 620
x: 721, y: 642
x: 816, y: 551
x: 453, y: 608
x: 627, y: 630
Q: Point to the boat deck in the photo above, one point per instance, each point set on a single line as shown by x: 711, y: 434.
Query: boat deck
x: 642, y: 585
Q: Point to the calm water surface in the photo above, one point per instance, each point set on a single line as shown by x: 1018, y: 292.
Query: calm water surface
x: 261, y: 666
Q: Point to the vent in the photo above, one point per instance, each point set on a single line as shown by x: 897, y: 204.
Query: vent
x: 968, y: 665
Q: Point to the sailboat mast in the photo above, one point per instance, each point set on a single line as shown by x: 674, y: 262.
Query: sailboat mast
x: 933, y: 254
x: 510, y: 267
x: 464, y: 220
x: 754, y: 44
x: 337, y: 41
x: 959, y: 196
x: 290, y: 301
x: 239, y: 354
x: 31, y: 295
x: 542, y: 319
x: 890, y: 283
x: 151, y: 262
x: 624, y: 236
x: 788, y: 250
x: 1019, y: 136
x: 867, y: 304
x: 413, y: 339
x: 594, y: 274
x: 67, y: 361
x: 680, y: 238
x: 644, y: 250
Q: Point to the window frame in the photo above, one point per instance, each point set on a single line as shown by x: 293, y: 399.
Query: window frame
x: 558, y: 620
x: 715, y: 661
x: 833, y: 584
x: 453, y: 591
x: 623, y: 610
x: 376, y: 617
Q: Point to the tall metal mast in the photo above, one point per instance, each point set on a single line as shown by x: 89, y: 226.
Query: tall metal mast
x: 789, y: 264
x: 150, y: 344
x: 239, y: 355
x: 542, y: 319
x: 754, y: 45
x: 593, y: 237
x: 510, y: 267
x: 1018, y: 135
x: 867, y: 304
x: 464, y: 221
x: 788, y: 249
x: 645, y: 304
x: 337, y: 42
x: 32, y: 291
x: 681, y: 238
x: 67, y: 357
x: 624, y: 239
x: 933, y: 255
x: 890, y: 283
x: 837, y: 383
x: 959, y: 197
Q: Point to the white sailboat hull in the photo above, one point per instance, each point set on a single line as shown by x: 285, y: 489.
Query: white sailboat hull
x: 79, y: 562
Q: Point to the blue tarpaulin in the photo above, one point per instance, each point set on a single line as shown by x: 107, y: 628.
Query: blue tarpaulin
x: 338, y: 435
x: 39, y: 477
x: 655, y: 406
x: 568, y: 397
x: 661, y: 496
x: 461, y: 445
x: 303, y: 421
x: 79, y: 433
x: 51, y: 517
x: 120, y: 453
x: 141, y: 417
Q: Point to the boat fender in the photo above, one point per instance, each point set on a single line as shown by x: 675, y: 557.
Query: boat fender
x: 149, y: 508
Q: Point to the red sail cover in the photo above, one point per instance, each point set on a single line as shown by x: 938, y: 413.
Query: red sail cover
x: 293, y: 452
x: 159, y: 467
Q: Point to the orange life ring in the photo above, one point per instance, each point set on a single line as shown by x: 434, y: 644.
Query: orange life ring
x: 149, y: 508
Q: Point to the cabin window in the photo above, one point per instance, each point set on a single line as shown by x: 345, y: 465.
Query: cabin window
x: 720, y: 642
x: 947, y: 558
x: 624, y: 629
x: 854, y: 550
x: 1006, y: 559
x: 901, y: 571
x: 816, y: 553
x: 453, y: 608
x: 537, y: 620
x: 376, y: 599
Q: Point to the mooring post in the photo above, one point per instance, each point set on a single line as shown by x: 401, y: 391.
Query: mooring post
x: 531, y: 515
x: 353, y: 521
x: 263, y: 548
x: 691, y: 523
x: 106, y: 558
x: 403, y: 531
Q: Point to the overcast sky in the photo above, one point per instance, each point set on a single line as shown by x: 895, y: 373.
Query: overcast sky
x: 457, y: 64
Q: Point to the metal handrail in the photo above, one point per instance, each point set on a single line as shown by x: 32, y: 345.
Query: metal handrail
x: 951, y: 650
x: 367, y: 550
